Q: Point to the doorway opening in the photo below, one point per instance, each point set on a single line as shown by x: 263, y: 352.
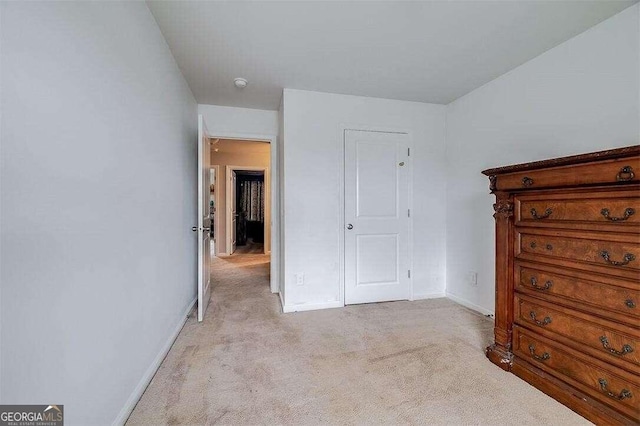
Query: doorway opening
x: 249, y: 224
x: 240, y: 195
x: 247, y: 205
x: 242, y: 202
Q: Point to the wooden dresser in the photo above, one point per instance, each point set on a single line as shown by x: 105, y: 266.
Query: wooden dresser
x: 568, y: 280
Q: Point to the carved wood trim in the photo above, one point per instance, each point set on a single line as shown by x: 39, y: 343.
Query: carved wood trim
x: 500, y: 352
x: 503, y: 208
x: 492, y: 182
x: 618, y: 153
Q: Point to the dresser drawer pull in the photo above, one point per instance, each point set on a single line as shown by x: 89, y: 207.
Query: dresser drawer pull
x: 625, y: 348
x: 527, y: 181
x: 545, y: 321
x: 625, y: 174
x: 545, y: 356
x: 630, y: 303
x: 545, y: 215
x: 628, y: 257
x: 624, y: 393
x: 534, y: 284
x: 628, y: 212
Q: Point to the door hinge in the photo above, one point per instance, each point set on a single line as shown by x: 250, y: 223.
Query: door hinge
x: 409, y: 273
x: 408, y: 152
x: 409, y: 213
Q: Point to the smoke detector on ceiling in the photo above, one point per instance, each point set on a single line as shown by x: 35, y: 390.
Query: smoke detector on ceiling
x: 240, y: 82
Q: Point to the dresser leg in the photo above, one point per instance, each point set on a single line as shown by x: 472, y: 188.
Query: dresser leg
x: 500, y: 357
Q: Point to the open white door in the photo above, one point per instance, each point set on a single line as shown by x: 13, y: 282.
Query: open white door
x: 376, y: 217
x: 204, y: 219
x: 234, y: 211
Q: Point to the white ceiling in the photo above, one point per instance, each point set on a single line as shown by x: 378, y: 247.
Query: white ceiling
x: 429, y: 51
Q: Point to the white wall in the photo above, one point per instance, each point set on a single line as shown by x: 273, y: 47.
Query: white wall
x: 98, y: 198
x: 225, y: 121
x: 1, y: 150
x: 579, y: 97
x: 313, y: 153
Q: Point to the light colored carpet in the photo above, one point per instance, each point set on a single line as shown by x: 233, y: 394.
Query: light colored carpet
x: 388, y: 363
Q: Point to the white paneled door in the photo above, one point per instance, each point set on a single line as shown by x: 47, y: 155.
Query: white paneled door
x: 204, y: 219
x: 377, y: 257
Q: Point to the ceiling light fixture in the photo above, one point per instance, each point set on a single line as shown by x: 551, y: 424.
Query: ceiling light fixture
x: 240, y: 82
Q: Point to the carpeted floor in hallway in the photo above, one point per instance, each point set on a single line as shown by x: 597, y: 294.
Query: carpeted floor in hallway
x: 388, y: 363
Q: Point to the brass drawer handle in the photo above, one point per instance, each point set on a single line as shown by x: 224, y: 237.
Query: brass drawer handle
x: 630, y: 303
x: 545, y: 356
x: 624, y: 393
x: 628, y: 212
x: 534, y: 284
x: 527, y: 181
x: 545, y: 215
x: 545, y: 321
x: 626, y: 349
x: 625, y: 174
x: 628, y: 257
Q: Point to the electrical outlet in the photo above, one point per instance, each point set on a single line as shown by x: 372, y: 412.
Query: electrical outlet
x: 472, y: 278
x: 300, y: 279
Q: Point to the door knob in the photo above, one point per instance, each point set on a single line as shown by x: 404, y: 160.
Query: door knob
x: 349, y: 226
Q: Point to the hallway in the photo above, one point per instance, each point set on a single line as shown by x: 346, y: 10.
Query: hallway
x: 394, y: 363
x: 250, y: 248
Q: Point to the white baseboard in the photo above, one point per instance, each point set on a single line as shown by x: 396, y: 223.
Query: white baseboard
x: 470, y: 305
x: 311, y: 306
x: 428, y: 296
x: 151, y: 371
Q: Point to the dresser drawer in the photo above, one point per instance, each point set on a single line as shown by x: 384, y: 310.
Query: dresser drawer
x: 618, y: 210
x: 617, y: 254
x: 612, y: 171
x: 614, y: 387
x: 614, y: 343
x: 594, y: 295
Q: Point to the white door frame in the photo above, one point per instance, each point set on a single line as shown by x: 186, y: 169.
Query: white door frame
x: 276, y: 220
x: 343, y: 128
x: 267, y: 204
x: 216, y: 216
